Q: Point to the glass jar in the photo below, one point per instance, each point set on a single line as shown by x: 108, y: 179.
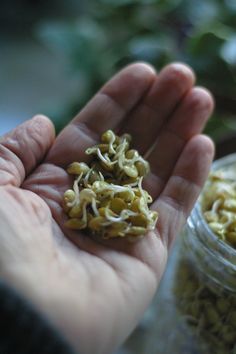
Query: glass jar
x: 195, y: 307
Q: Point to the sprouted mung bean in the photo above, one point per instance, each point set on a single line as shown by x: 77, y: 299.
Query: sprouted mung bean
x: 107, y: 197
x: 211, y: 314
x: 219, y: 204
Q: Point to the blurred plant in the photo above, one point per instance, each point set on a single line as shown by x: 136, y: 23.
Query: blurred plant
x: 112, y: 33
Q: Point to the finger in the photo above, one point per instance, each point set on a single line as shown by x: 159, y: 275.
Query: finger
x: 105, y: 111
x: 166, y: 91
x: 23, y: 148
x: 189, y: 119
x: 184, y: 186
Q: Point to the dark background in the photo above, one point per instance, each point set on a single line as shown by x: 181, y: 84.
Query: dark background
x: 54, y: 55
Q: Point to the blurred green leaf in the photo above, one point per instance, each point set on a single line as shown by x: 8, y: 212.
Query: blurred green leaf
x: 228, y: 51
x: 207, y: 43
x: 218, y: 126
x: 230, y: 5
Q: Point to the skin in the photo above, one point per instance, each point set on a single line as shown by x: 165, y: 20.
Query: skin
x: 93, y: 291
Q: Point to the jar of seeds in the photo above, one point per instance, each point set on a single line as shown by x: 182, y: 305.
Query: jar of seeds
x: 196, y: 304
x: 205, y: 285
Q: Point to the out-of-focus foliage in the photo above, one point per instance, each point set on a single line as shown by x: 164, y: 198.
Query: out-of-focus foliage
x: 112, y: 33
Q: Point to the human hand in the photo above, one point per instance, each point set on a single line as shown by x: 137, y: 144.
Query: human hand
x: 96, y: 292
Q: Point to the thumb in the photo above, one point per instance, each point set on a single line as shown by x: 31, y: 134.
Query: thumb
x: 22, y: 149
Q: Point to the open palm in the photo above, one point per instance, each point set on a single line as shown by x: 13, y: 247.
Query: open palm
x: 96, y: 292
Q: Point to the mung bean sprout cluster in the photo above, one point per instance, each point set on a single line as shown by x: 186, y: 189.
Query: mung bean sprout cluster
x: 107, y: 197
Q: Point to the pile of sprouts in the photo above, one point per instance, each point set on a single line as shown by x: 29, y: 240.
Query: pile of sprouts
x: 219, y: 204
x: 107, y: 197
x: 210, y: 313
